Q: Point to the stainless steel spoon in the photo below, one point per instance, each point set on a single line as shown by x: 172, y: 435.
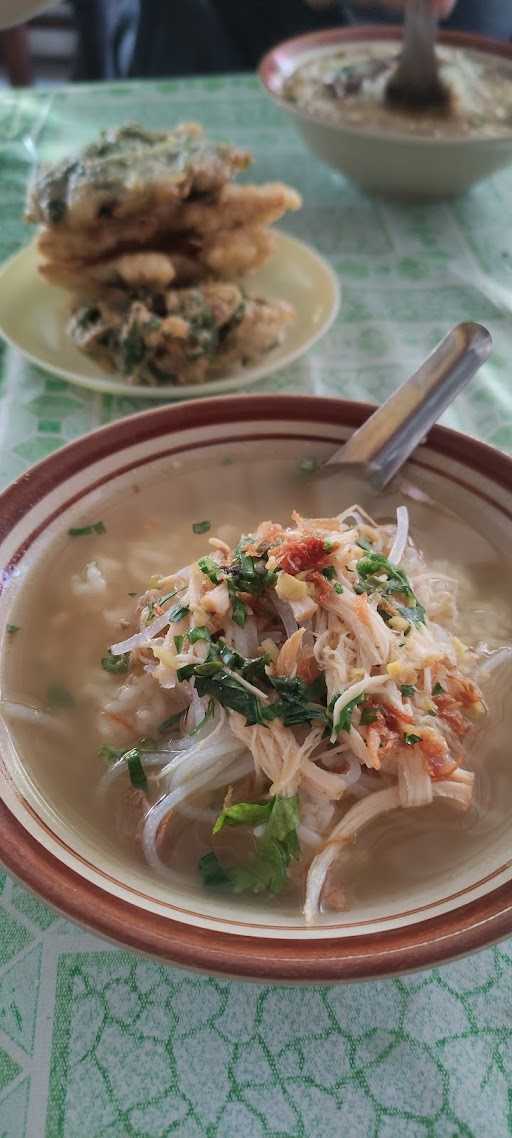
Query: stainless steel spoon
x: 381, y: 446
x: 416, y: 83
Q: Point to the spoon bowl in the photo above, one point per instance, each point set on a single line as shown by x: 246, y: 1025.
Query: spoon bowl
x: 416, y: 84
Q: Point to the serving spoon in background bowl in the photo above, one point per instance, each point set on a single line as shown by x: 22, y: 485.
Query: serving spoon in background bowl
x: 416, y: 84
x: 386, y: 440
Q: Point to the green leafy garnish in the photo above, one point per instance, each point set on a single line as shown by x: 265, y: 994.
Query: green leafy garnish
x: 179, y: 642
x: 377, y: 574
x: 88, y: 316
x: 239, y: 611
x: 411, y: 740
x: 163, y: 601
x: 133, y: 349
x: 13, y: 628
x: 208, y: 668
x: 308, y: 465
x: 171, y: 721
x: 374, y: 565
x: 210, y: 712
x: 110, y: 754
x: 83, y: 531
x: 135, y: 769
x: 56, y: 209
x: 201, y: 527
x: 196, y: 634
x: 252, y: 670
x: 345, y: 718
x: 118, y: 665
x: 299, y: 702
x: 414, y: 614
x: 329, y: 572
x: 177, y: 613
x: 369, y: 715
x: 186, y: 672
x: 338, y: 588
x: 438, y: 689
x: 210, y: 569
x: 244, y: 814
x: 204, y: 334
x: 211, y: 870
x: 168, y: 596
x: 220, y: 655
x: 229, y: 693
x: 407, y: 690
x: 267, y: 869
x: 249, y: 574
x: 58, y: 697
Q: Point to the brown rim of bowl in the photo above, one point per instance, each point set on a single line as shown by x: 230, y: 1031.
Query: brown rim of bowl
x: 429, y: 942
x: 270, y: 72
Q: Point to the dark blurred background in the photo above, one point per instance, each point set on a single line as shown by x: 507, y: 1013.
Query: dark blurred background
x: 87, y: 40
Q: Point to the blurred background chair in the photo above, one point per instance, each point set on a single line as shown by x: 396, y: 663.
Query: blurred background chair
x: 79, y: 40
x: 15, y: 56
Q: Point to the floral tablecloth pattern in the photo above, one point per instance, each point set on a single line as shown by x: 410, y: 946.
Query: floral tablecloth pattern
x: 96, y: 1042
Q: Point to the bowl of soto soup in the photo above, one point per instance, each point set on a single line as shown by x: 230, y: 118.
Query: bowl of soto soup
x: 331, y: 84
x: 254, y: 721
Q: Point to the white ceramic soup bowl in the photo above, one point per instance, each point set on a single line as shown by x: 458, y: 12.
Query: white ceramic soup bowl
x: 452, y: 906
x: 394, y: 164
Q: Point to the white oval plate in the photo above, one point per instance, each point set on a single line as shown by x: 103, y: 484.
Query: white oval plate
x: 34, y: 314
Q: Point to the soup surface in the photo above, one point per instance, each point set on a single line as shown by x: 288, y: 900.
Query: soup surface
x: 346, y: 88
x: 62, y: 689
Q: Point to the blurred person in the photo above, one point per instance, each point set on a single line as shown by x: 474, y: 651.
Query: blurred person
x: 221, y: 35
x: 190, y: 37
x: 105, y: 38
x: 485, y: 17
x: 206, y: 36
x: 192, y: 41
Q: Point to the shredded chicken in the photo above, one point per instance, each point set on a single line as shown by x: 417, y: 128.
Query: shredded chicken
x: 307, y: 657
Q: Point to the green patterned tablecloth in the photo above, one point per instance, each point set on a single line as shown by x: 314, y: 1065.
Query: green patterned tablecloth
x: 99, y: 1043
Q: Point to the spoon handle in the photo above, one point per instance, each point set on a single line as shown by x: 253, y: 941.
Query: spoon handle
x: 416, y: 83
x: 389, y: 436
x: 419, y: 36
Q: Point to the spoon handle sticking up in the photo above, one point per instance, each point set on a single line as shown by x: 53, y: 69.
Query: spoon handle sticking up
x: 416, y: 84
x: 381, y: 446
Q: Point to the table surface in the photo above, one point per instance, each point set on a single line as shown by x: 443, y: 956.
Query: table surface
x: 96, y: 1042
